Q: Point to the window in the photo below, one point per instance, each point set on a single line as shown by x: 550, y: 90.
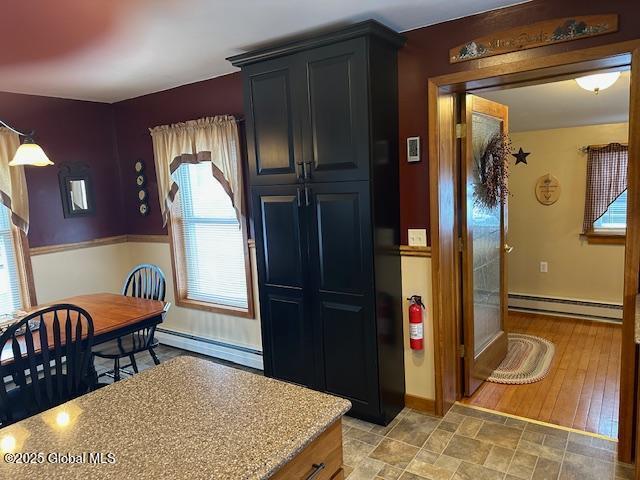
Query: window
x: 615, y: 218
x: 210, y: 246
x: 10, y: 286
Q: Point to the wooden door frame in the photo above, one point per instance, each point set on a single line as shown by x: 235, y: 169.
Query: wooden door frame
x: 443, y: 187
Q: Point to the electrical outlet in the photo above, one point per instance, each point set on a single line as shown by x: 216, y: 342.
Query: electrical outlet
x: 417, y: 237
x: 544, y: 267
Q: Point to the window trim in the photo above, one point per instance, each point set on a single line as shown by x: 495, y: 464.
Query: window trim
x: 25, y: 268
x: 179, y: 273
x: 602, y: 237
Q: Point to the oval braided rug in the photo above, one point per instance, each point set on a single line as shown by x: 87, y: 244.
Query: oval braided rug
x: 528, y: 360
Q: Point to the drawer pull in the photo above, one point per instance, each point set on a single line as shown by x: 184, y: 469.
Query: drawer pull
x: 317, y: 468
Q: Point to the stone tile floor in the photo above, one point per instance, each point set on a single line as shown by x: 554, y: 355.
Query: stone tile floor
x: 470, y: 444
x: 467, y: 444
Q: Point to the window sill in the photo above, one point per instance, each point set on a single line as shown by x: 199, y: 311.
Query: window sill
x: 215, y: 308
x: 604, y: 238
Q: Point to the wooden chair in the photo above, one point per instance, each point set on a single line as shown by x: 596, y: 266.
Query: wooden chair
x: 144, y: 281
x: 46, y: 377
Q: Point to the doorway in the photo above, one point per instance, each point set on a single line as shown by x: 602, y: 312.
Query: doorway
x: 559, y: 247
x: 446, y: 228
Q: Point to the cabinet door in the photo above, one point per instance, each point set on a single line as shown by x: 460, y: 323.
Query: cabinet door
x: 281, y: 248
x: 343, y: 307
x: 273, y: 127
x: 335, y: 106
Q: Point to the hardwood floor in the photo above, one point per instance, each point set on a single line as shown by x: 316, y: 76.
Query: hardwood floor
x: 582, y: 388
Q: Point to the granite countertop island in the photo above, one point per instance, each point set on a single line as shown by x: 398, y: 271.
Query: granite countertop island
x: 188, y: 418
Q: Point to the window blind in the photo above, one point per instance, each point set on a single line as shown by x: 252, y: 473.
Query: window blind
x: 615, y: 218
x: 212, y: 239
x: 10, y: 296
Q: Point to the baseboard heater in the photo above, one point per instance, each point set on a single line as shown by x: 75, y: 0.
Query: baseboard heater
x: 213, y: 348
x: 610, y: 312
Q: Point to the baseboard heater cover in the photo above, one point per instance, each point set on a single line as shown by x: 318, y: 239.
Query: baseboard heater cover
x: 611, y: 312
x: 246, y: 356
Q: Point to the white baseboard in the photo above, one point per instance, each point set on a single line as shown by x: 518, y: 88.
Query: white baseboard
x: 212, y: 348
x: 566, y: 307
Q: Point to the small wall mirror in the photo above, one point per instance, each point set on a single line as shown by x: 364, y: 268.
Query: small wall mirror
x: 76, y: 190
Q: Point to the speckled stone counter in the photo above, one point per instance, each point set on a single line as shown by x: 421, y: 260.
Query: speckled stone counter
x: 185, y: 419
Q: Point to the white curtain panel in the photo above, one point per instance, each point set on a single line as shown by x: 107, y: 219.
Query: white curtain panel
x: 210, y: 139
x: 13, y: 186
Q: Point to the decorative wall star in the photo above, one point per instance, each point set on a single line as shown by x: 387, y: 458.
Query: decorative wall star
x: 521, y: 156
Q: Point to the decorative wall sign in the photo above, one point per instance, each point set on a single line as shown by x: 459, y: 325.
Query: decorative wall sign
x: 537, y: 34
x: 548, y: 189
x: 521, y: 156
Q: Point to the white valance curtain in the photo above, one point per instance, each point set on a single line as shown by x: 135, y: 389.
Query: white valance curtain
x: 13, y: 186
x: 210, y: 139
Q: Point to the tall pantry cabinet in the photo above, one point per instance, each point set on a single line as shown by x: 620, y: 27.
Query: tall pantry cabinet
x: 322, y: 128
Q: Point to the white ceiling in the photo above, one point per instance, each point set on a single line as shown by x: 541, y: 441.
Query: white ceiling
x: 563, y: 104
x: 118, y: 50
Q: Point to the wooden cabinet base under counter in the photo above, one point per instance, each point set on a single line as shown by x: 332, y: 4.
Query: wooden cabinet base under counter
x: 320, y: 460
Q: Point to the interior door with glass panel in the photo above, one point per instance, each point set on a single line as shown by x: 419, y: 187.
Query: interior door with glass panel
x: 484, y: 285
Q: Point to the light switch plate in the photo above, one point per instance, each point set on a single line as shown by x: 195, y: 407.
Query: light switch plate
x: 544, y: 267
x: 417, y: 237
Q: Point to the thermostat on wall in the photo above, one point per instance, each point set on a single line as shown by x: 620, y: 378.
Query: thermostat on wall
x: 413, y: 149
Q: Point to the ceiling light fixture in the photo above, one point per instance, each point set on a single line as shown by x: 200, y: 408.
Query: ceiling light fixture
x: 599, y: 81
x: 29, y: 152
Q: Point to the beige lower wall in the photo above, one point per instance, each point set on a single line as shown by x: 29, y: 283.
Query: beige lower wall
x: 419, y: 369
x: 76, y: 272
x: 103, y: 269
x: 225, y: 328
x: 577, y: 270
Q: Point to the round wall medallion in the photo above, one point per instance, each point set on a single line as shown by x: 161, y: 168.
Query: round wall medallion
x: 144, y: 209
x: 142, y: 194
x: 139, y: 166
x: 140, y: 180
x: 548, y: 189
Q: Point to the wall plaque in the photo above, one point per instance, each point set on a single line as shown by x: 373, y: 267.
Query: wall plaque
x: 537, y: 34
x: 548, y: 189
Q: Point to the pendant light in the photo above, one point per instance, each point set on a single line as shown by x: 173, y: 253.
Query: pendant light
x: 599, y: 81
x: 29, y: 152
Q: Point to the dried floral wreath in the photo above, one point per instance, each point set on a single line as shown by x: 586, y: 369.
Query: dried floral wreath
x: 492, y: 172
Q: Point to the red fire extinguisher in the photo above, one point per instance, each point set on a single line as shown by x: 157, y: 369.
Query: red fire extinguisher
x: 416, y: 328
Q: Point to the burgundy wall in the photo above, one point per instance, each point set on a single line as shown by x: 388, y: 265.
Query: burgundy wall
x: 221, y: 95
x: 426, y: 55
x: 83, y: 131
x: 69, y: 131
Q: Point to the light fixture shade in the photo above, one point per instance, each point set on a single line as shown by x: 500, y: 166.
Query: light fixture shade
x: 599, y: 81
x: 30, y: 154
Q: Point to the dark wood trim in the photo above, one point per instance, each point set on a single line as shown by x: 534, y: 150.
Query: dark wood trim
x: 605, y: 238
x: 148, y: 238
x: 422, y: 404
x: 507, y: 70
x: 407, y: 251
x: 96, y: 242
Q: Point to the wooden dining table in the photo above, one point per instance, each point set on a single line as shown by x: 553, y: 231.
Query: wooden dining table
x: 113, y: 316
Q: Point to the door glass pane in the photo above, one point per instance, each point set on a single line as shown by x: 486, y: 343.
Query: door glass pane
x: 485, y: 230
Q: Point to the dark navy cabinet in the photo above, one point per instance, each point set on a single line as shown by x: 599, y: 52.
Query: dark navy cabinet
x: 321, y: 125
